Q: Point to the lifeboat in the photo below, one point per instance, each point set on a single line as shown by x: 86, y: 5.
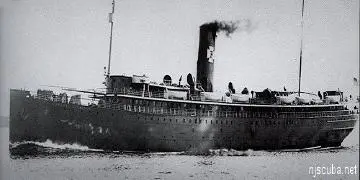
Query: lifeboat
x: 176, y: 94
x: 240, y: 98
x: 211, y: 96
x: 286, y: 99
x: 306, y: 98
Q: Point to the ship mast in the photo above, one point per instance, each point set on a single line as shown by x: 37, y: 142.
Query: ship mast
x: 301, y: 45
x: 111, y: 32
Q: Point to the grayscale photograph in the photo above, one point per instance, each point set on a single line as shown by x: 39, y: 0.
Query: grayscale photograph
x: 179, y: 89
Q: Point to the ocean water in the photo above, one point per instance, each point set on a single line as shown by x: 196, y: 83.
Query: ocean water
x: 49, y: 160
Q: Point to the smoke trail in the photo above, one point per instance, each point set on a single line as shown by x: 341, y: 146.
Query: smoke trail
x: 229, y: 27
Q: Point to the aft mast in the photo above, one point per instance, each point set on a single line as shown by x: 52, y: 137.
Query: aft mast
x: 301, y: 45
x: 111, y: 32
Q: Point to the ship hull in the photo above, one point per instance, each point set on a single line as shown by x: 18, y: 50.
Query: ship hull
x: 34, y: 119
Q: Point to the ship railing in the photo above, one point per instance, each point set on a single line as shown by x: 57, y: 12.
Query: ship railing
x: 228, y: 114
x: 155, y: 94
x: 232, y: 114
x: 55, y: 98
x: 152, y: 110
x: 132, y: 93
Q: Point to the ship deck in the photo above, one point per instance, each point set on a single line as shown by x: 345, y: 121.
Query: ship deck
x: 221, y: 103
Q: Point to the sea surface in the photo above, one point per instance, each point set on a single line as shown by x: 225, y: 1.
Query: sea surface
x: 48, y: 160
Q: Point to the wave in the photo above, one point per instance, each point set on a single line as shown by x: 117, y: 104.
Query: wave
x: 251, y: 152
x: 226, y: 152
x: 33, y: 148
x: 50, y: 144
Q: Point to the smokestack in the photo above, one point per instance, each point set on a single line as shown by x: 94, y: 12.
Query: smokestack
x: 205, y: 63
x: 206, y: 58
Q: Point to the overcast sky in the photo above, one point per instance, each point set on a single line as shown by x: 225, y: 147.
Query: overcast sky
x: 66, y: 42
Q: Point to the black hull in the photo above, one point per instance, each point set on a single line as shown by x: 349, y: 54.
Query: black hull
x: 34, y: 119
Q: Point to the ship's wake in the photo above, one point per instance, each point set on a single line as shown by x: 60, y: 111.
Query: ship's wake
x: 33, y: 148
x: 250, y: 152
x: 49, y: 148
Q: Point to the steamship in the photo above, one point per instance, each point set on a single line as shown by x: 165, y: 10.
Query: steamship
x: 135, y: 114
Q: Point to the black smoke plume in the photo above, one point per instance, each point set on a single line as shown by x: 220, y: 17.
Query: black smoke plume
x: 229, y: 27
